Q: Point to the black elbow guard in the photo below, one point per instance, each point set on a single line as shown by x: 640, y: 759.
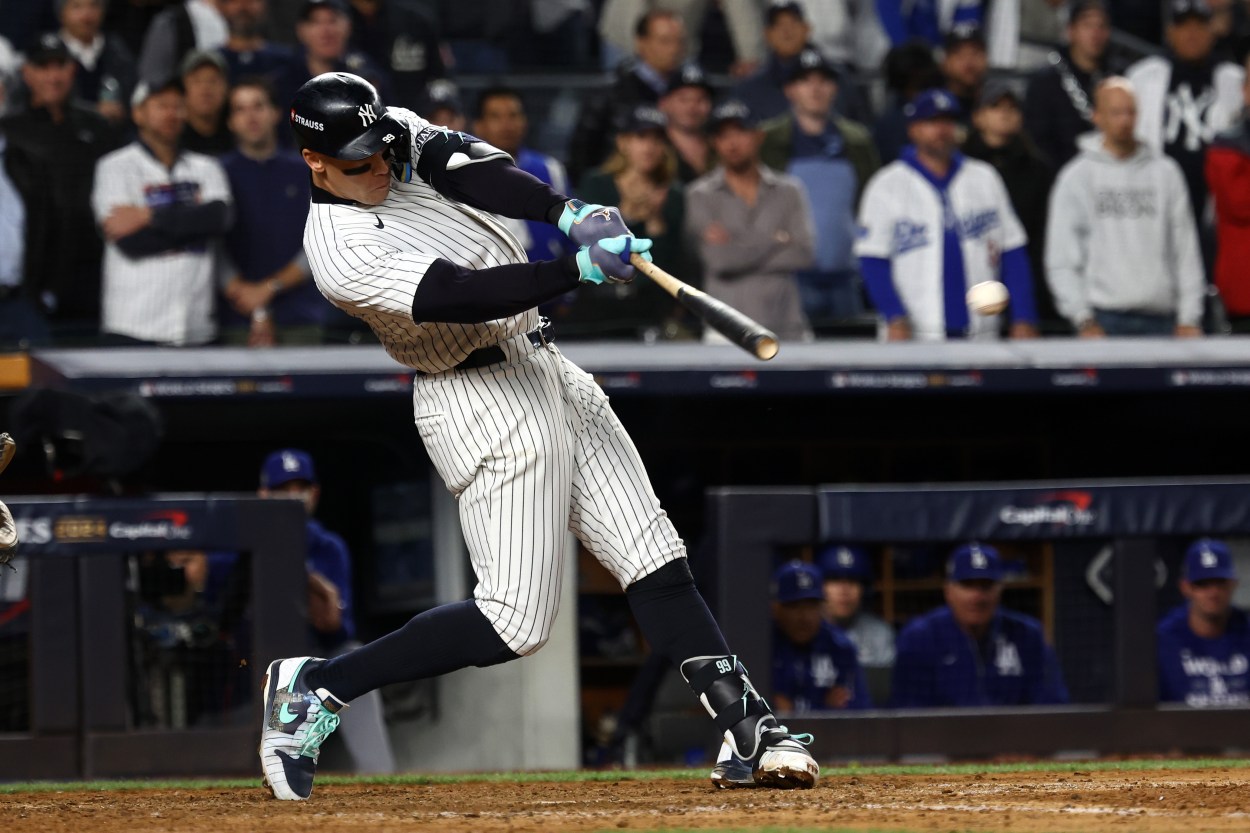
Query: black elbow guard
x: 448, y: 150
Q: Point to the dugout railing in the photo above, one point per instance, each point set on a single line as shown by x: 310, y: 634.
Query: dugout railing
x: 78, y: 622
x: 1141, y: 526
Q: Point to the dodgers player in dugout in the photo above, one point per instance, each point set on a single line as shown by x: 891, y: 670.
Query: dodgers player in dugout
x: 1204, y: 645
x: 402, y: 233
x: 972, y: 652
x: 933, y: 223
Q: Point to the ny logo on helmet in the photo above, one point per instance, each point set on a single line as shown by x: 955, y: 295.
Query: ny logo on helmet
x: 367, y: 116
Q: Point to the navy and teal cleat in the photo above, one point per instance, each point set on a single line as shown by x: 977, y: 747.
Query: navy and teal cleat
x: 782, y: 762
x: 297, y: 721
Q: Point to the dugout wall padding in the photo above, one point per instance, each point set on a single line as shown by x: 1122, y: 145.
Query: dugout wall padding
x: 81, y: 722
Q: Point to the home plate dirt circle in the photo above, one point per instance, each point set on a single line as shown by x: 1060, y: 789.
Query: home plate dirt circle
x: 1210, y: 799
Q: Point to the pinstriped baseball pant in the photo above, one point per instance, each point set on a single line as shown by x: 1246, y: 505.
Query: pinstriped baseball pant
x: 531, y: 448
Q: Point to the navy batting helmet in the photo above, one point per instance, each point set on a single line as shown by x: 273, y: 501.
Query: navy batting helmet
x: 342, y: 115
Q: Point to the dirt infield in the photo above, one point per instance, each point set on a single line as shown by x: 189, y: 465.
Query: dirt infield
x: 1215, y: 799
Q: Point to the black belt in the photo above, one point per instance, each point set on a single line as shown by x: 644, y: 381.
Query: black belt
x: 486, y: 356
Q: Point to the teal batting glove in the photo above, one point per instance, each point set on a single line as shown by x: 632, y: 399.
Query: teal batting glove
x: 587, y: 223
x: 607, y: 260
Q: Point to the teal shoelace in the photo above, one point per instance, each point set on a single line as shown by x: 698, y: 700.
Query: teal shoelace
x: 320, y: 729
x: 804, y: 738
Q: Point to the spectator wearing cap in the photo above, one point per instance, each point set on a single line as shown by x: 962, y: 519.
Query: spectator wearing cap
x: 617, y: 19
x: 441, y: 105
x: 998, y: 139
x: 786, y: 33
x: 163, y: 211
x: 290, y: 474
x: 659, y: 51
x: 28, y: 242
x: 1204, y: 645
x: 971, y: 651
x: 815, y: 667
x: 847, y: 573
x: 833, y: 158
x: 324, y: 33
x: 500, y: 120
x: 1228, y: 177
x: 74, y: 134
x: 1122, y: 254
x: 1186, y: 97
x: 1059, y: 102
x: 641, y: 178
x: 105, y: 70
x: 932, y: 224
x: 753, y: 228
x: 687, y: 104
x: 909, y: 70
x: 269, y: 297
x: 829, y: 26
x: 205, y: 83
x: 403, y: 39
x: 177, y: 31
x: 248, y: 53
x: 965, y: 65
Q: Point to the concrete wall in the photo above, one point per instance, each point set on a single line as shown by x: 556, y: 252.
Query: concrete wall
x: 521, y: 715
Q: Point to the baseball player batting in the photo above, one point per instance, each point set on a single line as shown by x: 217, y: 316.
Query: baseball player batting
x: 402, y: 233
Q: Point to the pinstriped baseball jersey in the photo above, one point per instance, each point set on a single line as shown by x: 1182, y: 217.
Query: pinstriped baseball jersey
x: 165, y: 297
x: 368, y: 260
x: 529, y: 446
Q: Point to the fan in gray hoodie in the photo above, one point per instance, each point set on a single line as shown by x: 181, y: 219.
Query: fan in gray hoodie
x: 1122, y: 255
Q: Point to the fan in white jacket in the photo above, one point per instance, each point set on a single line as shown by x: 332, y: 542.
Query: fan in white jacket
x: 934, y: 223
x: 1122, y: 254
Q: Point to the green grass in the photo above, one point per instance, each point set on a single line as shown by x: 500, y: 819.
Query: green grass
x: 417, y: 779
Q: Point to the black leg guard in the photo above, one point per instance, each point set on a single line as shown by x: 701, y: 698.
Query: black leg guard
x: 722, y: 686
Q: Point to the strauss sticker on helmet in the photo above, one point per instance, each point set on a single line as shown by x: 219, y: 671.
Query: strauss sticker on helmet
x: 309, y: 123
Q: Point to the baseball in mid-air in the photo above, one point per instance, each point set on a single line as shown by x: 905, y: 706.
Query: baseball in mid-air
x: 988, y: 297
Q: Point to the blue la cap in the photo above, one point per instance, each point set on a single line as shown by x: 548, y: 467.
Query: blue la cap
x: 796, y: 581
x: 287, y: 465
x: 1208, y: 558
x: 975, y: 562
x: 932, y: 104
x: 841, y: 561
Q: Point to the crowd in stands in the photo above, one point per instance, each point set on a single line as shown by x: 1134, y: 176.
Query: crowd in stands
x: 829, y: 167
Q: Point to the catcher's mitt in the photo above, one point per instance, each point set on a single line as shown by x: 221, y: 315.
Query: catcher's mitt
x: 8, y: 529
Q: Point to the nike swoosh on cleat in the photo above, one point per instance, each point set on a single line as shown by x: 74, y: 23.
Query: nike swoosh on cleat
x: 288, y: 716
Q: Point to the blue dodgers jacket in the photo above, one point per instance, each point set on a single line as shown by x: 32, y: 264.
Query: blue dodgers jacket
x: 806, y: 673
x: 328, y: 555
x: 1203, y: 672
x: 940, y: 665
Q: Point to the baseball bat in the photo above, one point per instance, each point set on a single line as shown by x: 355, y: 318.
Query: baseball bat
x: 750, y: 335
